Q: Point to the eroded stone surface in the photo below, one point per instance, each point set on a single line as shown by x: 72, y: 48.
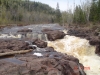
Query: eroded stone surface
x: 53, y: 34
x: 58, y: 64
x: 13, y: 45
x: 91, y: 34
x: 39, y: 43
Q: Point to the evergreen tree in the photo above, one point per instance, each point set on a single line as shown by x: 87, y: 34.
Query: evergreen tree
x: 79, y: 16
x: 99, y: 10
x: 58, y: 14
x: 25, y: 11
x: 93, y: 11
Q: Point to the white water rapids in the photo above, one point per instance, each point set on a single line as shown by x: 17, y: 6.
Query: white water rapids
x: 78, y: 47
x: 81, y: 49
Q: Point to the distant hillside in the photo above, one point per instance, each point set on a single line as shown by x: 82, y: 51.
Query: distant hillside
x: 19, y: 11
x: 38, y: 7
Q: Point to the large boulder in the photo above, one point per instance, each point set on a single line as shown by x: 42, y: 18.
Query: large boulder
x: 39, y: 43
x: 94, y: 41
x: 52, y: 35
x: 13, y: 45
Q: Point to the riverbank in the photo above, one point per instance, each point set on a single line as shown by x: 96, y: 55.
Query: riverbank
x: 46, y: 56
x: 41, y: 59
x: 90, y: 33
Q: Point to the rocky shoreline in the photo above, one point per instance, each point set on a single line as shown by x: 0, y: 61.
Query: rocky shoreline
x: 91, y: 34
x: 42, y: 60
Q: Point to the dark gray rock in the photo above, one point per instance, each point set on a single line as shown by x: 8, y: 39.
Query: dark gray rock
x: 53, y: 35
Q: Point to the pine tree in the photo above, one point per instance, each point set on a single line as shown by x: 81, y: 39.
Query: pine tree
x: 58, y: 14
x: 79, y: 15
x: 99, y: 10
x: 93, y: 11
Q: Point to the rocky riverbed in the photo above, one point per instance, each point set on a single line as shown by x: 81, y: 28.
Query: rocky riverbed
x: 91, y: 34
x: 48, y: 64
x: 43, y: 59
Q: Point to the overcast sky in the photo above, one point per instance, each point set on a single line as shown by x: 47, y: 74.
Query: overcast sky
x: 64, y: 5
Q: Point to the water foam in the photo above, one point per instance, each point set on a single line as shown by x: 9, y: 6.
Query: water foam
x: 10, y: 36
x: 81, y: 49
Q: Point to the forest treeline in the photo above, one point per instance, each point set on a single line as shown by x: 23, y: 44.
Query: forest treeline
x: 87, y: 12
x: 27, y: 12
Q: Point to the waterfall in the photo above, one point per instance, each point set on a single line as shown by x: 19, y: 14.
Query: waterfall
x: 43, y: 37
x: 40, y: 36
x: 81, y: 49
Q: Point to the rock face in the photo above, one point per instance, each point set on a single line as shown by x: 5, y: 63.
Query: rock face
x: 79, y: 32
x: 93, y: 35
x: 49, y: 63
x: 25, y: 30
x: 17, y: 45
x: 58, y: 64
x: 52, y: 35
x: 12, y: 45
x: 94, y: 41
x: 39, y: 43
x: 97, y: 51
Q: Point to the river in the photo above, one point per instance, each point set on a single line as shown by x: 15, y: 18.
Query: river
x: 70, y: 45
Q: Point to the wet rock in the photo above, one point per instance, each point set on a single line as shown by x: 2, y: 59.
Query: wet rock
x: 96, y: 33
x: 91, y: 34
x: 49, y: 49
x: 46, y: 30
x: 83, y: 33
x: 13, y: 45
x: 94, y: 41
x: 25, y: 30
x: 53, y: 34
x: 73, y: 31
x: 39, y: 43
x: 97, y: 51
x: 60, y: 64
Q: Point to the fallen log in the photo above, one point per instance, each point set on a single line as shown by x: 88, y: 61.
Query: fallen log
x: 15, y: 52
